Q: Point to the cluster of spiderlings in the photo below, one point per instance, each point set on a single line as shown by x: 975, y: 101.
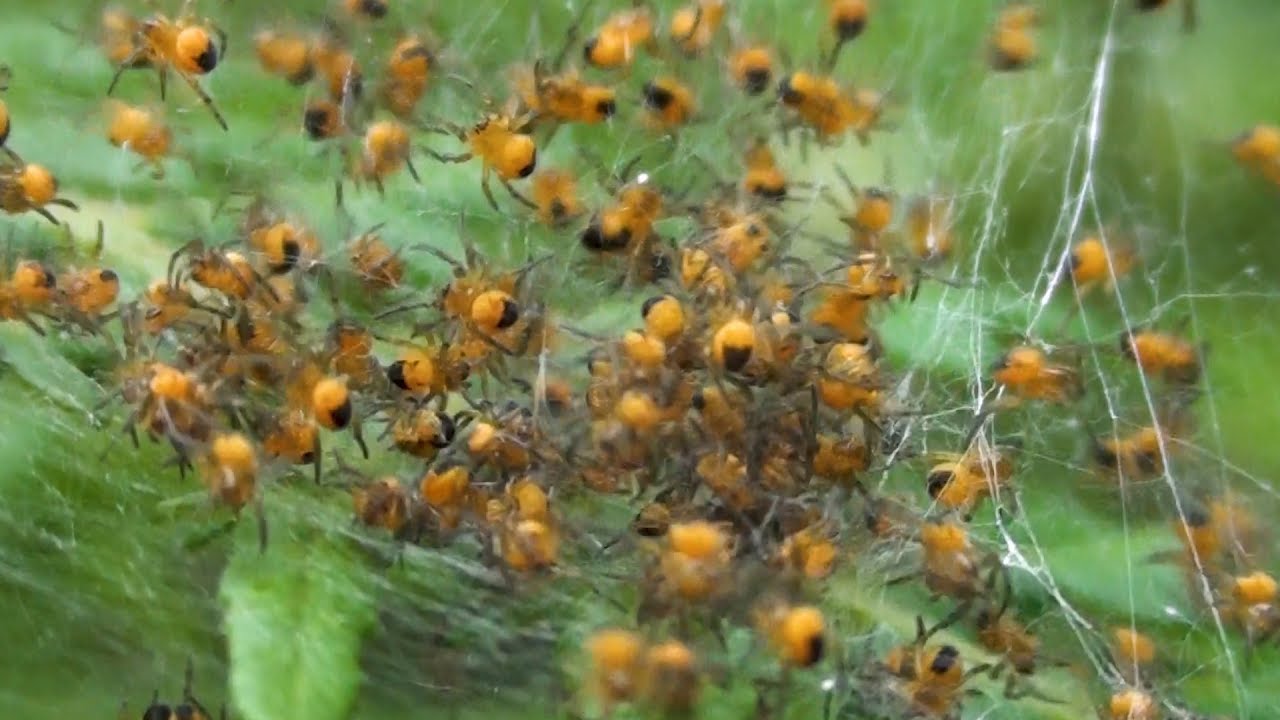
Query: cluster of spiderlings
x: 741, y: 414
x: 61, y: 292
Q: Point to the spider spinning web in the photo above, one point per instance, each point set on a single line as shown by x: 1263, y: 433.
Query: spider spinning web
x: 113, y: 574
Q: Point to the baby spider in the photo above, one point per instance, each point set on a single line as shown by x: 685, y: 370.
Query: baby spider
x: 504, y: 146
x: 931, y: 678
x: 184, y: 45
x: 26, y: 186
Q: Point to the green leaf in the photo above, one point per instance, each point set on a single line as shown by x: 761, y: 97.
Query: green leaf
x: 295, y: 617
x: 32, y: 359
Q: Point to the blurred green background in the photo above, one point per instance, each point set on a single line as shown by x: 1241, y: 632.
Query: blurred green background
x: 107, y: 586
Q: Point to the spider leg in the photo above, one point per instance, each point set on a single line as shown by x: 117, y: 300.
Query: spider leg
x: 188, y: 678
x: 1190, y: 17
x: 517, y: 195
x: 469, y: 252
x: 1006, y: 587
x: 260, y: 512
x: 182, y: 461
x: 448, y: 158
x: 31, y: 323
x: 902, y: 578
x: 570, y: 36
x: 131, y: 425
x: 403, y: 308
x: 318, y: 453
x: 47, y: 215
x: 222, y: 41
x: 488, y: 192
x: 358, y: 434
x: 1015, y: 690
x: 125, y: 65
x: 960, y: 611
x: 977, y: 670
x: 204, y: 98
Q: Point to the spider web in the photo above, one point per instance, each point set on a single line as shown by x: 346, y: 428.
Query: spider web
x: 1166, y: 286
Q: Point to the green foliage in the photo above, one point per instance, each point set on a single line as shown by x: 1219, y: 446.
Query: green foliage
x: 294, y: 628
